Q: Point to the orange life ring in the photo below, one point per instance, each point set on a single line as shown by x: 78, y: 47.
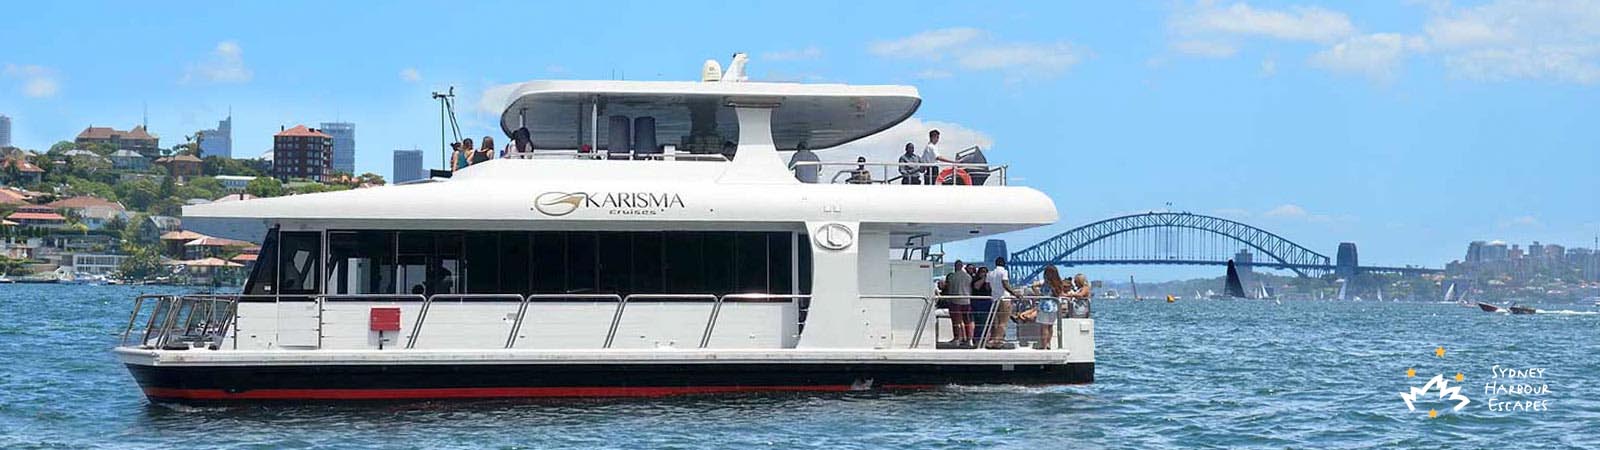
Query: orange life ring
x: 957, y: 173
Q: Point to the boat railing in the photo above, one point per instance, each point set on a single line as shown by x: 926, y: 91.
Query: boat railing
x: 182, y: 321
x: 1066, y: 309
x: 800, y: 300
x: 522, y: 310
x: 422, y: 312
x: 606, y: 155
x: 847, y: 172
x: 922, y: 319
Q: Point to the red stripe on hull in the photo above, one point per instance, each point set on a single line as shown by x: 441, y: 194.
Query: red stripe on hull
x: 494, y: 392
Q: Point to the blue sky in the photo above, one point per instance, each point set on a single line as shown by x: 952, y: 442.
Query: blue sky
x: 1408, y: 127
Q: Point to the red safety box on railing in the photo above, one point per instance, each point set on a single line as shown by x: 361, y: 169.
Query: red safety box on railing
x: 385, y: 319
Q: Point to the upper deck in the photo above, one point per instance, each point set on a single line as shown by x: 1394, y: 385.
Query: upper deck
x: 565, y: 115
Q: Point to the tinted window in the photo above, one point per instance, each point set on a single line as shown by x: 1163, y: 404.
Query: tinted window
x: 299, y: 262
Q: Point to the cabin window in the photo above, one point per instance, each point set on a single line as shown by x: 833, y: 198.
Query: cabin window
x: 361, y: 262
x: 264, y: 277
x: 556, y: 262
x: 299, y: 262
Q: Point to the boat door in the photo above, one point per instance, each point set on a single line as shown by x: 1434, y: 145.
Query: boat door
x: 299, y: 312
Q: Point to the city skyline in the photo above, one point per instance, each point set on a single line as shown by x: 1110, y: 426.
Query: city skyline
x: 1384, y: 125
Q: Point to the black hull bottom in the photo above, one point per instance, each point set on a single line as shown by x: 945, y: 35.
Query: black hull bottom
x: 230, y: 384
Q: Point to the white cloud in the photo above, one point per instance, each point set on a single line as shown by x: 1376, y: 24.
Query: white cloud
x: 1287, y: 211
x: 931, y: 44
x: 1527, y: 39
x: 1311, y: 24
x: 889, y: 144
x: 410, y: 75
x: 1377, y: 56
x: 494, y: 99
x: 225, y: 65
x: 1205, y: 48
x: 933, y: 74
x: 1290, y: 211
x: 1269, y: 67
x: 805, y: 54
x: 37, y: 81
x: 1042, y: 58
x: 1520, y: 222
x: 977, y: 50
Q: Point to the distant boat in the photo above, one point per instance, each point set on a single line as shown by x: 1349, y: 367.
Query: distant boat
x: 1234, y: 288
x: 1135, y: 288
x: 1171, y: 299
x: 1519, y: 309
x: 1380, y: 293
x: 1342, y: 284
x: 1488, y: 307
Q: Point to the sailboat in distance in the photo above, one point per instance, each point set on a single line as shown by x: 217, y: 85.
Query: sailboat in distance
x: 1233, y: 287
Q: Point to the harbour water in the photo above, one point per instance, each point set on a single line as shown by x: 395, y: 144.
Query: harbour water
x: 1221, y: 374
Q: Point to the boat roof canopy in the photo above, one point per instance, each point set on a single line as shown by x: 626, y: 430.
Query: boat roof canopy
x: 558, y: 114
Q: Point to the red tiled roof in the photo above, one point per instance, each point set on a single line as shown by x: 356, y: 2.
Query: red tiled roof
x: 11, y: 197
x: 181, y: 235
x: 138, y: 132
x: 35, y: 216
x: 246, y: 257
x: 22, y: 165
x: 301, y: 131
x: 84, y: 202
x: 180, y: 158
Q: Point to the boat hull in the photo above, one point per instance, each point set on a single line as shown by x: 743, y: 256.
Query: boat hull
x: 236, y: 383
x: 1488, y: 307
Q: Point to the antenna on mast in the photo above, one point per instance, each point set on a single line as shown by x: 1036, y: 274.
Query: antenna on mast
x: 447, y: 123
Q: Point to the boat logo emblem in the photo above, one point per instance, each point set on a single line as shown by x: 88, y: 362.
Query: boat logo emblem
x: 835, y: 236
x: 559, y: 203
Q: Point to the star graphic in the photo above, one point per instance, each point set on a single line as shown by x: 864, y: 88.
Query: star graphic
x: 1460, y: 377
x: 1413, y: 372
x: 1432, y: 413
x: 1439, y: 351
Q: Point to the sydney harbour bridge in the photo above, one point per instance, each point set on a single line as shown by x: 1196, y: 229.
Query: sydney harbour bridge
x: 1181, y: 238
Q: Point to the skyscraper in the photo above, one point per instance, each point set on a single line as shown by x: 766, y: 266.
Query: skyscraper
x: 5, y: 131
x: 344, y: 145
x: 408, y: 166
x: 218, y: 141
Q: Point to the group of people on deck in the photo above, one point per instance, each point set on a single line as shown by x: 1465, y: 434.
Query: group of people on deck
x: 914, y: 168
x: 462, y: 154
x: 971, y: 288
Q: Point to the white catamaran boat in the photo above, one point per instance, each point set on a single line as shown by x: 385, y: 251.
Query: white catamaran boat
x: 603, y: 264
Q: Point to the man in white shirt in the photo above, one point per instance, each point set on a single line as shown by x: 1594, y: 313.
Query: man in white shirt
x: 999, y: 286
x: 931, y: 155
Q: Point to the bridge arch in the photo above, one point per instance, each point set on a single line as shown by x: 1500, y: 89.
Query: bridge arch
x: 1278, y: 252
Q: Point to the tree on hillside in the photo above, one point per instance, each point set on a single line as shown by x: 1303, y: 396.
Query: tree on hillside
x: 138, y: 194
x: 372, y: 179
x: 217, y: 165
x: 264, y: 187
x: 62, y: 147
x: 142, y: 263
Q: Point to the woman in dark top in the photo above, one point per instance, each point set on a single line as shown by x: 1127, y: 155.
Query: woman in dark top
x: 982, y: 304
x: 485, y: 151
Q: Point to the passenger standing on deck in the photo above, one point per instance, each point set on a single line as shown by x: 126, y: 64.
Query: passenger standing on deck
x: 485, y: 152
x: 980, y: 304
x: 910, y: 171
x: 861, y: 175
x: 806, y: 173
x: 1000, y: 285
x: 1049, y: 308
x: 520, y: 143
x: 959, y: 285
x: 931, y: 156
x: 458, y: 158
